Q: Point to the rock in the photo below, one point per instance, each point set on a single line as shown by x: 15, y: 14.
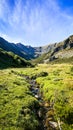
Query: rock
x: 39, y: 113
x: 53, y: 124
x: 36, y: 96
x: 46, y: 104
x: 35, y: 91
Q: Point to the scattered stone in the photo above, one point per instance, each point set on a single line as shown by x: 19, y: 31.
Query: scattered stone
x: 36, y: 96
x: 53, y: 124
x: 39, y: 113
x: 46, y: 104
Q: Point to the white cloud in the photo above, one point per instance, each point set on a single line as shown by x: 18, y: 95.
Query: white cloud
x: 35, y: 22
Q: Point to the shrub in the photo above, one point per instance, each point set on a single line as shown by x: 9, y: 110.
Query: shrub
x: 43, y: 74
x: 71, y: 69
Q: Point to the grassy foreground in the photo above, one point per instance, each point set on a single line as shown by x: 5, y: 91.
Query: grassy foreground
x: 17, y: 104
x: 57, y: 89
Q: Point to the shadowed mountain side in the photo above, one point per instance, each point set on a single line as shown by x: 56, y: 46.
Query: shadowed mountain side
x: 13, y: 48
x: 30, y: 51
x: 9, y: 59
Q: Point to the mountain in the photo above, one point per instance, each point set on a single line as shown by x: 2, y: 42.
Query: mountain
x: 15, y: 48
x: 23, y: 51
x: 9, y: 59
x: 62, y: 51
x: 51, y: 52
x: 28, y: 50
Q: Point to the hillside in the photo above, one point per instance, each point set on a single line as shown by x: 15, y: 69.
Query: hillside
x: 62, y: 51
x: 9, y: 59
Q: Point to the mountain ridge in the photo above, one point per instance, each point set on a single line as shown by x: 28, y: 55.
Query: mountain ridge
x: 51, y: 51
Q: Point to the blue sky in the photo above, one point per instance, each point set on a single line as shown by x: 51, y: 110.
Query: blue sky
x: 36, y: 22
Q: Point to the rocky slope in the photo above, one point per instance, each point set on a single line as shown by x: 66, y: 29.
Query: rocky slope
x: 64, y: 49
x: 61, y: 50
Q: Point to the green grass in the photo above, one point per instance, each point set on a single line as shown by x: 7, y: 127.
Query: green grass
x: 57, y: 87
x: 17, y: 105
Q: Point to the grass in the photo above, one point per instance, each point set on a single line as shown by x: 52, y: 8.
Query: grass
x: 57, y: 87
x: 17, y: 105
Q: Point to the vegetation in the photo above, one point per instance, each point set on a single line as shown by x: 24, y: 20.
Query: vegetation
x: 46, y: 58
x: 18, y: 106
x: 40, y: 59
x: 57, y: 89
x: 62, y: 60
x: 9, y: 59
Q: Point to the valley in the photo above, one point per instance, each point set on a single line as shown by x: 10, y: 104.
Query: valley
x: 36, y: 86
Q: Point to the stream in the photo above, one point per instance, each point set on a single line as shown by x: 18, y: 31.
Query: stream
x: 46, y: 111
